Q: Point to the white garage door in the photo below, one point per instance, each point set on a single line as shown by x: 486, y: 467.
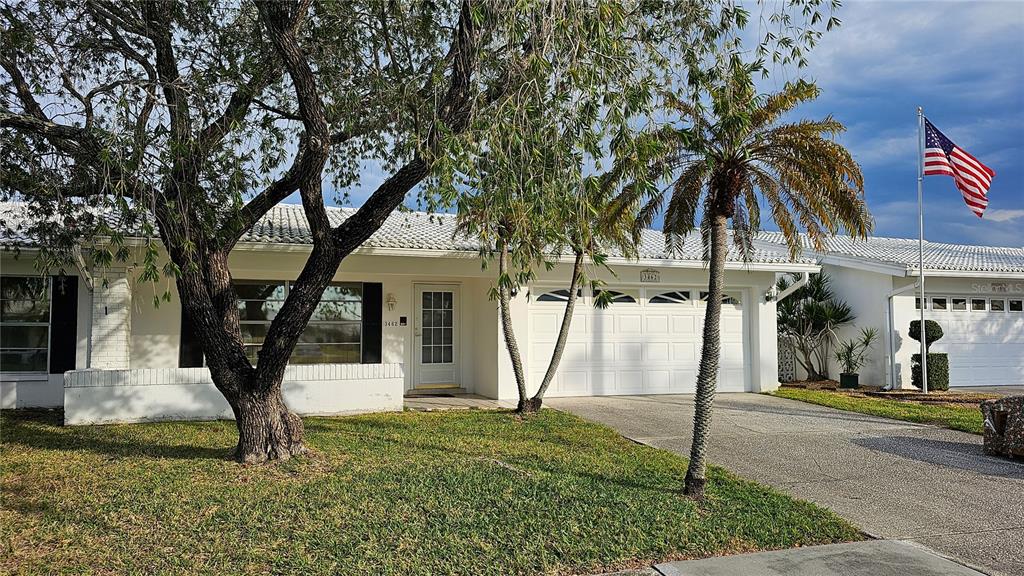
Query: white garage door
x: 984, y: 337
x: 647, y: 341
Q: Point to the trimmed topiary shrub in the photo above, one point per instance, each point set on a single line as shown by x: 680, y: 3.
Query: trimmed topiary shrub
x: 932, y: 329
x: 938, y: 371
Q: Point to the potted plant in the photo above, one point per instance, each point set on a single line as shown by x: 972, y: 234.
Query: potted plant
x: 852, y: 355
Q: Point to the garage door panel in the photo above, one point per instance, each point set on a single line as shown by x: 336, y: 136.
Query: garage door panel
x: 657, y: 324
x: 545, y: 323
x: 629, y: 352
x: 684, y: 381
x: 985, y: 347
x: 684, y: 351
x: 573, y: 382
x: 730, y: 380
x: 684, y: 325
x: 602, y: 382
x: 658, y: 351
x: 629, y: 324
x: 638, y: 348
x: 658, y: 382
x: 579, y: 324
x: 629, y: 381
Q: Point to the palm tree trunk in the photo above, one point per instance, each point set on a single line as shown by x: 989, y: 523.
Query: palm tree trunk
x: 563, y: 334
x: 696, y: 474
x: 504, y: 301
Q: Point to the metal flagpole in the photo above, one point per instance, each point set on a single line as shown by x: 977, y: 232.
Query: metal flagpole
x: 920, y: 245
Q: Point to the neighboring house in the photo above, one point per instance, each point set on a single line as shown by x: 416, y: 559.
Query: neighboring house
x: 976, y: 293
x: 409, y: 311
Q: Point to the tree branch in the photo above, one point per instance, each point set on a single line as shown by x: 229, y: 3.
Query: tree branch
x: 238, y: 105
x: 22, y: 88
x: 281, y: 20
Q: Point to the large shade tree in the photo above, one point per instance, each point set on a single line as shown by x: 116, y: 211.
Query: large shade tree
x: 188, y: 121
x: 726, y: 155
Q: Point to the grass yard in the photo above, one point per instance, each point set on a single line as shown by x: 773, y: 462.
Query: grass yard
x: 469, y: 492
x: 966, y: 418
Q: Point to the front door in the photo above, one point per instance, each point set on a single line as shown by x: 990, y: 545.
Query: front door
x: 436, y: 336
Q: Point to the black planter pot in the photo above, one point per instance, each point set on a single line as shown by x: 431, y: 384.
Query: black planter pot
x: 849, y: 380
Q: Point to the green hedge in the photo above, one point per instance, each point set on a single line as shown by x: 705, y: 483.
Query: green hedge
x: 938, y: 371
x: 933, y: 329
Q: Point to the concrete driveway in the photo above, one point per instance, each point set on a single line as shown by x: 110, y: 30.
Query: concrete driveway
x: 893, y: 479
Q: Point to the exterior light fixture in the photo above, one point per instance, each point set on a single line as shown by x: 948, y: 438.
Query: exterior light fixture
x: 390, y: 300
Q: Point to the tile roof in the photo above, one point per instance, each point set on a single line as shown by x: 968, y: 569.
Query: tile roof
x: 286, y: 224
x: 903, y: 253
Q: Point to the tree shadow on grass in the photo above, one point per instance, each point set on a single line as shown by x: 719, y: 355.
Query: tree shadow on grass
x: 43, y: 429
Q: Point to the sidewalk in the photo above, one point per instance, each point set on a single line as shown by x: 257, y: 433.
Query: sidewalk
x: 869, y: 558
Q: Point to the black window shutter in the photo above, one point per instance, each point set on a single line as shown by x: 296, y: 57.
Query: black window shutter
x: 63, y: 324
x: 373, y: 302
x: 190, y: 353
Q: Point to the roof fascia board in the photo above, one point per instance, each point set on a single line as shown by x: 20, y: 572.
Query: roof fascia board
x: 866, y: 264
x: 968, y: 274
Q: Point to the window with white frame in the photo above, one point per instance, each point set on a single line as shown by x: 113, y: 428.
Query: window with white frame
x: 671, y: 297
x: 1016, y: 305
x: 727, y: 298
x: 558, y: 295
x: 24, y: 323
x: 978, y: 304
x: 614, y: 297
x: 334, y: 332
x: 958, y: 304
x: 998, y: 305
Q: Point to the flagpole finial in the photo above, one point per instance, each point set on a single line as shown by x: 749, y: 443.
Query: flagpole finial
x: 920, y: 111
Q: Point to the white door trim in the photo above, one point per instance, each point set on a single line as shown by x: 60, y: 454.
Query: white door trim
x: 439, y: 372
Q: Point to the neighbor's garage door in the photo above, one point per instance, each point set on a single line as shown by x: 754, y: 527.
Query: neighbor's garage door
x: 647, y: 341
x: 984, y: 337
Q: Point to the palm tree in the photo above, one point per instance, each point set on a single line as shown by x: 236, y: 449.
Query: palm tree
x: 731, y: 153
x: 810, y: 319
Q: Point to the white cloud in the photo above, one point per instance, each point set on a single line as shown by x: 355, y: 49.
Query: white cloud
x: 996, y: 215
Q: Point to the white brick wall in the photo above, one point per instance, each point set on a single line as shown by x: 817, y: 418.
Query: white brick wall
x: 111, y: 321
x: 107, y: 396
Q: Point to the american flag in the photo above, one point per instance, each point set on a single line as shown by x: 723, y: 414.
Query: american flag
x: 942, y: 157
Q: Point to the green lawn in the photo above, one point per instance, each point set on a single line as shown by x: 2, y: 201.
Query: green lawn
x: 468, y: 492
x: 967, y: 419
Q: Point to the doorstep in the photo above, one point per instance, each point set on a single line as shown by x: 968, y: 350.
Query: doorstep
x: 426, y: 403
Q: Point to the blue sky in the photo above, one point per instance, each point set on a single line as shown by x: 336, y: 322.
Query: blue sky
x: 962, y: 61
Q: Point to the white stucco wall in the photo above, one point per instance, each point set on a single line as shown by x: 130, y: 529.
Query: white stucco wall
x: 109, y: 396
x: 866, y: 293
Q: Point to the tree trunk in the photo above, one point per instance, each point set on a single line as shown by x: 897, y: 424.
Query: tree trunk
x: 696, y: 474
x: 537, y: 401
x: 504, y: 300
x: 267, y: 430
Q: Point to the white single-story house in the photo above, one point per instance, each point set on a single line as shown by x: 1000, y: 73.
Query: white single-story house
x: 975, y: 293
x: 410, y: 312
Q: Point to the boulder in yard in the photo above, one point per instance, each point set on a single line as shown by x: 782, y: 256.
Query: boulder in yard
x: 1004, y: 426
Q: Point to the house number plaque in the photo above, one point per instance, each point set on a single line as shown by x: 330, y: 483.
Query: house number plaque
x: 650, y: 275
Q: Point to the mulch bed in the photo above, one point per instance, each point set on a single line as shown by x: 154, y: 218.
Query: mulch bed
x: 961, y: 399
